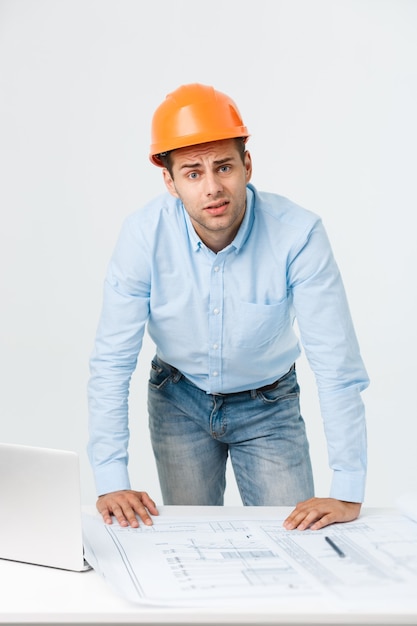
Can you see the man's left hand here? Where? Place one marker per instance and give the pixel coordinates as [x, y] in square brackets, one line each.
[317, 513]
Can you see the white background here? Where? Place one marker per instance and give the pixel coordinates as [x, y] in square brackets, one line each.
[328, 90]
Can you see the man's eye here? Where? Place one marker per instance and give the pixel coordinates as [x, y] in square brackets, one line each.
[192, 175]
[224, 168]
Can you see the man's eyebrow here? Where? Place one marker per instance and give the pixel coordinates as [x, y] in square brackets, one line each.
[189, 166]
[225, 160]
[186, 166]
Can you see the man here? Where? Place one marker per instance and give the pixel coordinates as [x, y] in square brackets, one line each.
[218, 271]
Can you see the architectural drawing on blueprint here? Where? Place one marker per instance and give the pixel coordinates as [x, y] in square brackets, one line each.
[203, 559]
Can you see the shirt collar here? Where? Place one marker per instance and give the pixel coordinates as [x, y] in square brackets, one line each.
[247, 222]
[241, 235]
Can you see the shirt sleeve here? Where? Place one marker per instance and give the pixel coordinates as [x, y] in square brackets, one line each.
[329, 340]
[118, 342]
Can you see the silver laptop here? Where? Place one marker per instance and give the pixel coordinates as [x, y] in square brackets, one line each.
[40, 504]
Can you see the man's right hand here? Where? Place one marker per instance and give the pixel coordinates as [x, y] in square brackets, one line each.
[125, 505]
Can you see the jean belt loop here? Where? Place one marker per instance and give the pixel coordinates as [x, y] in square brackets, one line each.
[176, 374]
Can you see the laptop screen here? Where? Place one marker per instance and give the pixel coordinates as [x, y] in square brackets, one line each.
[41, 507]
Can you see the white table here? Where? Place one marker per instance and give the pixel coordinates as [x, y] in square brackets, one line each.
[31, 594]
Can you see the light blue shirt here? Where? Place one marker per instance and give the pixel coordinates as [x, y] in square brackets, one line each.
[225, 321]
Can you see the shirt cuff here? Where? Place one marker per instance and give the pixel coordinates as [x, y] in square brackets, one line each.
[348, 486]
[111, 477]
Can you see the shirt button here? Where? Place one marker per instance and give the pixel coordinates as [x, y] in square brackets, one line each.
[215, 346]
[215, 373]
[216, 269]
[216, 311]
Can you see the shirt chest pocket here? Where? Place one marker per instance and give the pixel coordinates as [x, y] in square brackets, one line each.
[256, 325]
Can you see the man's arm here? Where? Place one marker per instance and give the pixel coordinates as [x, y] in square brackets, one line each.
[118, 342]
[331, 347]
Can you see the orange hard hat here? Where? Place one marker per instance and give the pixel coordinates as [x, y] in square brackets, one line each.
[194, 114]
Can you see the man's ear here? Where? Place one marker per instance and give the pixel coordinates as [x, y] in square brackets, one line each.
[248, 166]
[169, 183]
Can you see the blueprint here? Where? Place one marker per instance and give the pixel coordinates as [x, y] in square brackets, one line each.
[202, 560]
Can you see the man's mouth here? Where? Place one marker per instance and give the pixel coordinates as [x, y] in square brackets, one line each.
[217, 208]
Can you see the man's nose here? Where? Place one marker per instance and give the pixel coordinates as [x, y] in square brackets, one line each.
[213, 184]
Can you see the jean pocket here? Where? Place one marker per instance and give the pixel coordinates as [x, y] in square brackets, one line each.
[158, 375]
[287, 388]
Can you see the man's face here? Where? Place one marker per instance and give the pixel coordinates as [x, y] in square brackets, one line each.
[210, 179]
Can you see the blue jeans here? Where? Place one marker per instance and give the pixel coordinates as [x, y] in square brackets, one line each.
[193, 433]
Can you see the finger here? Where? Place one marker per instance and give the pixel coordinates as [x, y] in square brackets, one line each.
[295, 517]
[305, 519]
[119, 510]
[136, 505]
[105, 513]
[144, 515]
[298, 513]
[150, 504]
[119, 515]
[127, 515]
[323, 521]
